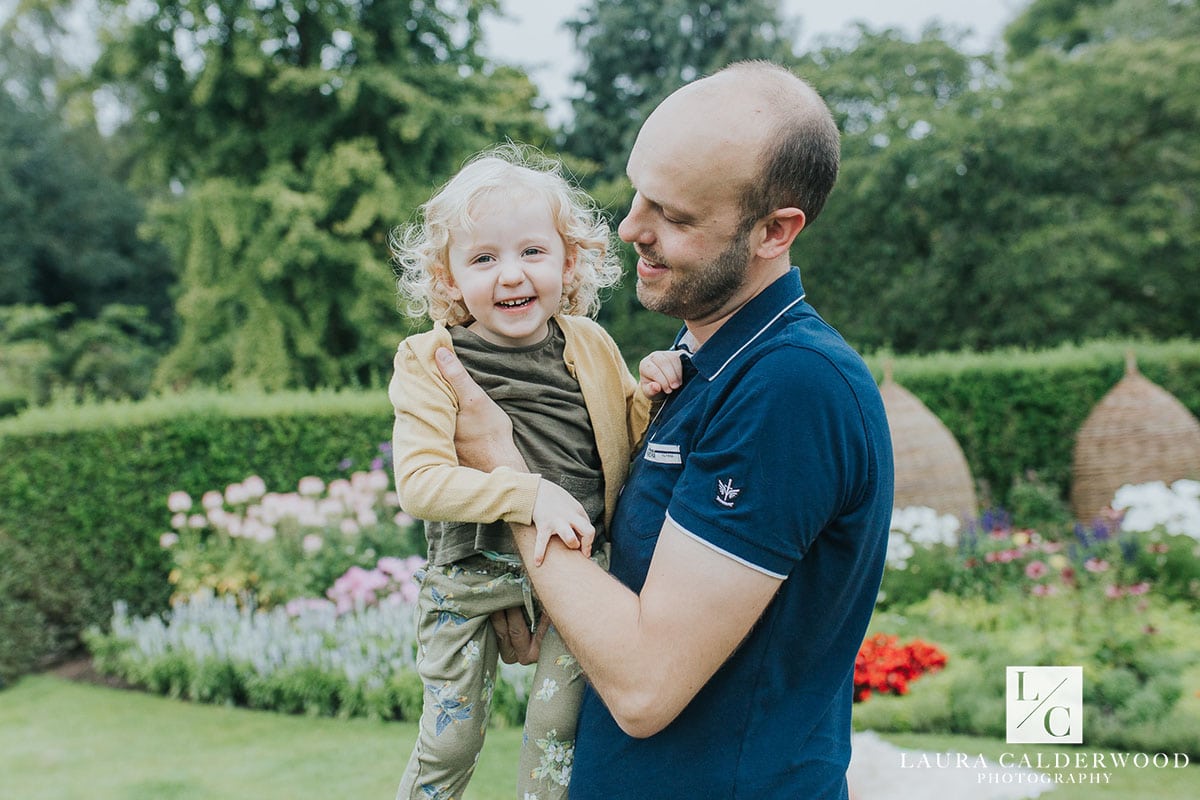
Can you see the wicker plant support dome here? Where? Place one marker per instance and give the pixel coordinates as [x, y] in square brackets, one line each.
[1137, 433]
[931, 469]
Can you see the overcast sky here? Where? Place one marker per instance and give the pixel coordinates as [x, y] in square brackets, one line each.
[533, 36]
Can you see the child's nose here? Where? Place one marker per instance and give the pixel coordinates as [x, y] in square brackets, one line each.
[512, 272]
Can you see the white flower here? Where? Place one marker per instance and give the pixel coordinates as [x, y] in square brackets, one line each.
[470, 652]
[179, 501]
[378, 480]
[310, 486]
[254, 486]
[548, 690]
[899, 550]
[168, 540]
[236, 494]
[212, 499]
[1149, 506]
[312, 543]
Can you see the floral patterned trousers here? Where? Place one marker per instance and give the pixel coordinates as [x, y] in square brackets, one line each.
[457, 661]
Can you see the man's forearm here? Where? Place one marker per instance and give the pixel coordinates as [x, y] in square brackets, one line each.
[596, 616]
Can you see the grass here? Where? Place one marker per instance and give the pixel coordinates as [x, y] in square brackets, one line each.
[62, 740]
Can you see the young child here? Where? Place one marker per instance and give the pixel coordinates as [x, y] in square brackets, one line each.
[507, 260]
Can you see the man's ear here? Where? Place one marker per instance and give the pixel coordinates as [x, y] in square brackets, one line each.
[780, 229]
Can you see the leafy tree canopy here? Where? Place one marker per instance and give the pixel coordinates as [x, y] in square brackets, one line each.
[636, 52]
[294, 135]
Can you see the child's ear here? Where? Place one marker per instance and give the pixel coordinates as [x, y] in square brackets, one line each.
[444, 282]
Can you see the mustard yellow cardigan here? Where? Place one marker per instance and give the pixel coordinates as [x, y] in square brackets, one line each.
[429, 481]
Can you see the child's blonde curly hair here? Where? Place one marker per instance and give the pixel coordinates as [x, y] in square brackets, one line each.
[421, 250]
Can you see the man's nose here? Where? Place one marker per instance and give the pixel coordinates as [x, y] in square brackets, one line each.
[633, 228]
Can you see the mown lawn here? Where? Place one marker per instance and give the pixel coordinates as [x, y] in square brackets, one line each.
[63, 740]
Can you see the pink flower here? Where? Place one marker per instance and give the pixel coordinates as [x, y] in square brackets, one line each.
[1113, 592]
[1096, 565]
[1035, 570]
[1044, 590]
[179, 501]
[1138, 589]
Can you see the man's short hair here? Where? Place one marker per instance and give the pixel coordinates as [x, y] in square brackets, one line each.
[800, 155]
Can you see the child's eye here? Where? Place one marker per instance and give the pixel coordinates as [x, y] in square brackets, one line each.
[482, 259]
[532, 251]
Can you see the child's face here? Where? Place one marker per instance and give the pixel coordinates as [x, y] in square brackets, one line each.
[508, 269]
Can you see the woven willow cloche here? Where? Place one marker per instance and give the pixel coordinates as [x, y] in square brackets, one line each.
[931, 469]
[1137, 433]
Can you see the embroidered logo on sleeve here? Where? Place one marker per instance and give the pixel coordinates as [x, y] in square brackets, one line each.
[726, 493]
[663, 453]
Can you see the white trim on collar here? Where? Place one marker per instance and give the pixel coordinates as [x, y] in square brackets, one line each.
[761, 330]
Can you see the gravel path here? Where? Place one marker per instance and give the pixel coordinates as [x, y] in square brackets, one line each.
[881, 771]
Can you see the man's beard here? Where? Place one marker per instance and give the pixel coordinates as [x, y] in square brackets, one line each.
[700, 292]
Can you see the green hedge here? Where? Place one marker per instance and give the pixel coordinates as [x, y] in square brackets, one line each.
[83, 489]
[1017, 411]
[83, 496]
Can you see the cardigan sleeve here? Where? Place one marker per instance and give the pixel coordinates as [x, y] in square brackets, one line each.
[637, 407]
[430, 483]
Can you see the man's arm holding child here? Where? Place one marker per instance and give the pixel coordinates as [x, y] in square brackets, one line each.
[647, 654]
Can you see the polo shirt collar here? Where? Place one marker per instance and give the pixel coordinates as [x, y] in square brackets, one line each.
[749, 323]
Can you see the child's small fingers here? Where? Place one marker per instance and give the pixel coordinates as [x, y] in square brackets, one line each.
[569, 538]
[539, 547]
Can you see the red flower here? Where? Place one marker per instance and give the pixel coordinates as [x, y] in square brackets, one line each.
[884, 665]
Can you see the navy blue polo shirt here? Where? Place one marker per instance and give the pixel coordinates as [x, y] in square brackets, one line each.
[776, 453]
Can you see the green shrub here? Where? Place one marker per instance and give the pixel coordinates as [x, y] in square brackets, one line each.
[1014, 411]
[1137, 655]
[85, 486]
[83, 494]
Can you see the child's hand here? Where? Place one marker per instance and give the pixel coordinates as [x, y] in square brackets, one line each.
[662, 372]
[557, 513]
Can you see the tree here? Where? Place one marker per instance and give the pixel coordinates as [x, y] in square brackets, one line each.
[636, 52]
[1064, 25]
[71, 230]
[1055, 206]
[293, 136]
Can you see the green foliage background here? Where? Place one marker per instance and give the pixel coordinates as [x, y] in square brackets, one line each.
[83, 490]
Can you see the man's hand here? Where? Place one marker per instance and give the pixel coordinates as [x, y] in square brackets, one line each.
[661, 372]
[483, 432]
[518, 645]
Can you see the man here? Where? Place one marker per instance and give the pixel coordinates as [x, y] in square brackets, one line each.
[749, 540]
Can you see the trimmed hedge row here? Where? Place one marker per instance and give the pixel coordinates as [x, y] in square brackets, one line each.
[83, 496]
[1015, 411]
[83, 489]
